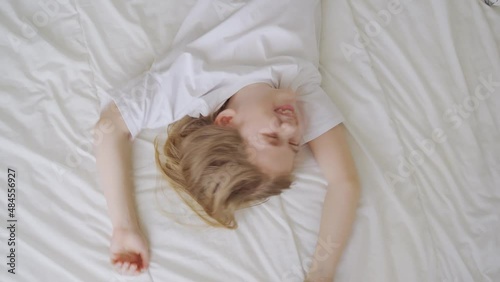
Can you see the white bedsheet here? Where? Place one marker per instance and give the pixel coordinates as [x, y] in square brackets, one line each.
[430, 176]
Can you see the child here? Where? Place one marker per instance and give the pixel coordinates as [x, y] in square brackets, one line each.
[241, 91]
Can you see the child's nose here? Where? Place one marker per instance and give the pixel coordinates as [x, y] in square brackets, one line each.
[288, 130]
[285, 127]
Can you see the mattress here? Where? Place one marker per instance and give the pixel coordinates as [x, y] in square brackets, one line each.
[418, 83]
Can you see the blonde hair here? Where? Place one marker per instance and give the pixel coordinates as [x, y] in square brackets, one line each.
[208, 166]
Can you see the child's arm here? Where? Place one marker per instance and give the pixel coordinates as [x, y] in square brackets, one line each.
[129, 249]
[332, 153]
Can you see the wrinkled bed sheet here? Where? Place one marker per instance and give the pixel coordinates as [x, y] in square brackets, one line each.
[417, 81]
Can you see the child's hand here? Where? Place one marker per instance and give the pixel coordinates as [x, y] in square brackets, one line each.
[129, 251]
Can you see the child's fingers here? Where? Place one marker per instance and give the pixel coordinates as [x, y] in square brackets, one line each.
[145, 259]
[130, 263]
[130, 270]
[118, 258]
[133, 269]
[123, 257]
[118, 267]
[125, 266]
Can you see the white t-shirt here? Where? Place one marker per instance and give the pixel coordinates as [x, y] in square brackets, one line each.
[222, 47]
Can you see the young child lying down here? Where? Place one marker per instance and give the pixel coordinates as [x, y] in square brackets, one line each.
[240, 91]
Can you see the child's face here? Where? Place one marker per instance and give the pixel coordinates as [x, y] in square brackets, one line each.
[270, 120]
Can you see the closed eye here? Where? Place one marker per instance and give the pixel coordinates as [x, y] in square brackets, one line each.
[274, 140]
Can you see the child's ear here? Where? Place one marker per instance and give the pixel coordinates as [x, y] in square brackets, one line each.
[225, 118]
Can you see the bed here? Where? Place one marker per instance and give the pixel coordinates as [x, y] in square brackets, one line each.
[418, 83]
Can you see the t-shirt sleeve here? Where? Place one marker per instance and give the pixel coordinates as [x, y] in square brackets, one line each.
[157, 98]
[141, 104]
[320, 113]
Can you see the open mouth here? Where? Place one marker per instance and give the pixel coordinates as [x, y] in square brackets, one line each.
[286, 110]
